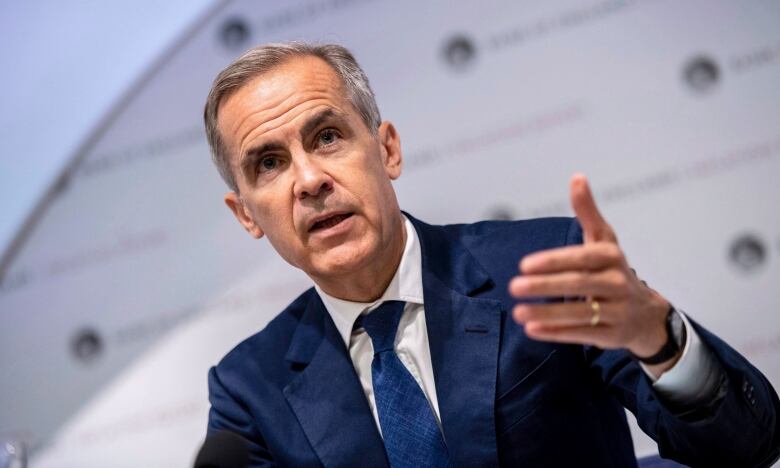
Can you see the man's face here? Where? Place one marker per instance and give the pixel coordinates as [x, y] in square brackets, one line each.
[311, 176]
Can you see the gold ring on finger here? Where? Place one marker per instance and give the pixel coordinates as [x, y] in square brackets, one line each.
[596, 317]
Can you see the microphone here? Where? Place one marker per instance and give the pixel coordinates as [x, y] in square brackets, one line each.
[223, 449]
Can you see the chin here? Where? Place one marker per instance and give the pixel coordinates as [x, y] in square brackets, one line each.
[344, 259]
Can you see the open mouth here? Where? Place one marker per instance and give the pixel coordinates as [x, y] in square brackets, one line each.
[329, 222]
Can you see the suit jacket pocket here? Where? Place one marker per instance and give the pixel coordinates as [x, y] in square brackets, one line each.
[525, 396]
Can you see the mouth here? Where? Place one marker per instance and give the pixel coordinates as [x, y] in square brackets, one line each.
[329, 221]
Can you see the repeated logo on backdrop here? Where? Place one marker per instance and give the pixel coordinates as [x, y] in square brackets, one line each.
[87, 345]
[459, 52]
[235, 34]
[748, 253]
[701, 74]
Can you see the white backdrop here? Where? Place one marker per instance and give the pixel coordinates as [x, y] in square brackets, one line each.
[135, 278]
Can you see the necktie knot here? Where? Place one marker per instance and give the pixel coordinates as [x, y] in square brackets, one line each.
[381, 324]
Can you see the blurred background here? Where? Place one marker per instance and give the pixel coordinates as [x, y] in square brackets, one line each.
[123, 277]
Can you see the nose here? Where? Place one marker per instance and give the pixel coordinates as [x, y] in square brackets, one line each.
[310, 179]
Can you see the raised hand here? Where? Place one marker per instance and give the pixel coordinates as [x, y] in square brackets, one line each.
[619, 310]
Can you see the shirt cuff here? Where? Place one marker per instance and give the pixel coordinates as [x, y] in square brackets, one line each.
[694, 377]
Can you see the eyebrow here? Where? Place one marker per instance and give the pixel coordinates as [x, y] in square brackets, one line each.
[253, 154]
[318, 119]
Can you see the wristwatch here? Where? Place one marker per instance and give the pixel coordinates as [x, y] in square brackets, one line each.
[675, 339]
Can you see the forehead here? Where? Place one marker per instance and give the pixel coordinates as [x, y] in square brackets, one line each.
[294, 74]
[296, 84]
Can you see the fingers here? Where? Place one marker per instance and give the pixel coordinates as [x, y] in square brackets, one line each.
[594, 226]
[608, 283]
[593, 256]
[562, 314]
[601, 336]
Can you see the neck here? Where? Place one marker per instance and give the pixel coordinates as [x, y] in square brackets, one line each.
[369, 283]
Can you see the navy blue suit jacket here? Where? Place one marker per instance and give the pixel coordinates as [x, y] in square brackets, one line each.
[291, 390]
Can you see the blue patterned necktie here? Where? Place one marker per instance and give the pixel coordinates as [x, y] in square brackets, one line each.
[412, 437]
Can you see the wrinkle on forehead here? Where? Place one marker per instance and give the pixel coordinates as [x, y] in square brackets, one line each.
[279, 97]
[285, 113]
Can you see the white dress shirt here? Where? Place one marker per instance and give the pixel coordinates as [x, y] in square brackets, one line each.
[683, 382]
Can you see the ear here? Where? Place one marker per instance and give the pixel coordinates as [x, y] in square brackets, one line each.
[233, 201]
[390, 141]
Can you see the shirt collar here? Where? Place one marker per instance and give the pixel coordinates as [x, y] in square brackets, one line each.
[406, 286]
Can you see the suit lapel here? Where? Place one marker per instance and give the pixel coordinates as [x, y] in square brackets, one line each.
[463, 335]
[327, 397]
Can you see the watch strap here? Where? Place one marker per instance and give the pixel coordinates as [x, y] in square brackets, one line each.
[670, 348]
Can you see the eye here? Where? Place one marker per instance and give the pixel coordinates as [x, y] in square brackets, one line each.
[327, 137]
[268, 163]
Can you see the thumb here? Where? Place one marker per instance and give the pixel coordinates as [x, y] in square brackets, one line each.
[594, 227]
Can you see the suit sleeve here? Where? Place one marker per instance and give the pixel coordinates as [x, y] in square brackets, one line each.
[229, 414]
[739, 425]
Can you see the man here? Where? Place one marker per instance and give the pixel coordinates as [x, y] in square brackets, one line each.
[412, 348]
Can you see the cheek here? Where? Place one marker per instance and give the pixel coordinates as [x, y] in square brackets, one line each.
[370, 183]
[274, 215]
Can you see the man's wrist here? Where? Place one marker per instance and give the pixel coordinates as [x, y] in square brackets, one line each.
[675, 339]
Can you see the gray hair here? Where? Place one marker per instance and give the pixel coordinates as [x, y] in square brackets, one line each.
[264, 58]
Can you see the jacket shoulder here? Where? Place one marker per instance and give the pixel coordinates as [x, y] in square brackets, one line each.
[498, 246]
[268, 346]
[533, 234]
